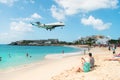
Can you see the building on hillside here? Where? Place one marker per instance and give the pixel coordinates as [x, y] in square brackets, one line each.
[103, 41]
[98, 39]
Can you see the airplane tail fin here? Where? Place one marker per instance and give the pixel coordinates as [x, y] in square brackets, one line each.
[31, 23]
[35, 23]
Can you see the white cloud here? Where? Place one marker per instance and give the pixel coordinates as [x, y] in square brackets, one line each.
[34, 16]
[10, 36]
[21, 27]
[58, 14]
[70, 7]
[17, 31]
[8, 2]
[95, 23]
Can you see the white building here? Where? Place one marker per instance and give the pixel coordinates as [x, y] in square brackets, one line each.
[102, 40]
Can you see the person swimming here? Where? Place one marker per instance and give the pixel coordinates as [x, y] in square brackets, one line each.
[27, 54]
[9, 55]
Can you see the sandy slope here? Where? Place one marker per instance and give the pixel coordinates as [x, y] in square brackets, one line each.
[104, 70]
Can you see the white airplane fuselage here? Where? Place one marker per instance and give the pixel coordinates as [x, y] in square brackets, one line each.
[57, 23]
[48, 26]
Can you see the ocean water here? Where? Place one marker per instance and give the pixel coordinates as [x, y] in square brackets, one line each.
[12, 56]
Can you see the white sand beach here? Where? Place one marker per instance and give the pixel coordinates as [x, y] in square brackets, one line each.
[64, 68]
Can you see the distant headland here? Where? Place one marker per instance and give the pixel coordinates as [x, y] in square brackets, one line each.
[36, 42]
[89, 40]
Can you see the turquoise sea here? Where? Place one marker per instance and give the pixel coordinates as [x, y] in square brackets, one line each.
[12, 56]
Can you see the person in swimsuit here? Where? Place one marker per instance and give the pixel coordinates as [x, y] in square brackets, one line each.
[86, 65]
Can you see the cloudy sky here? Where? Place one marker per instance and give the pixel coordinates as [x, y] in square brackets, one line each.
[81, 18]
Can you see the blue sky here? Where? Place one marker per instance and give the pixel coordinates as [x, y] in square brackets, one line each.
[81, 17]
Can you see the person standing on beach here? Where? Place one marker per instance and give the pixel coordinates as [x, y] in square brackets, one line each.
[109, 47]
[63, 52]
[84, 51]
[113, 48]
[88, 49]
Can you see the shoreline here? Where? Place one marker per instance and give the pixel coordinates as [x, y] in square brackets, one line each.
[39, 61]
[47, 59]
[57, 69]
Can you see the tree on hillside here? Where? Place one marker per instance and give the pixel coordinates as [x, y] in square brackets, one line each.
[90, 41]
[113, 41]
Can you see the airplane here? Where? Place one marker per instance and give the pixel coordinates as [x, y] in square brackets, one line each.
[48, 26]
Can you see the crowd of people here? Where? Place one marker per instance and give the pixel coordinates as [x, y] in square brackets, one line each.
[87, 63]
